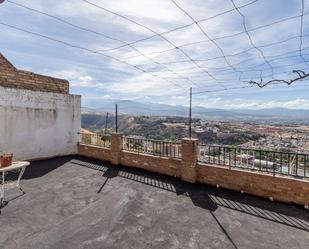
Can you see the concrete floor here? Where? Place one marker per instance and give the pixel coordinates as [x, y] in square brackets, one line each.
[74, 202]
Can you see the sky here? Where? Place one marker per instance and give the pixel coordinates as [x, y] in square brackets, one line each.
[105, 56]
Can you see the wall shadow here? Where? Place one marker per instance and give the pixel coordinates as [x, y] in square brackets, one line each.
[39, 168]
[205, 196]
[111, 172]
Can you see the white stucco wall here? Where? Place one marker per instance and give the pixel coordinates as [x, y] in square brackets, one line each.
[38, 124]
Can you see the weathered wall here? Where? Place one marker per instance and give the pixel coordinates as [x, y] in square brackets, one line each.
[38, 124]
[281, 188]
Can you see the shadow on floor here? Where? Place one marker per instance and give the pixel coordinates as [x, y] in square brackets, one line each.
[205, 196]
[36, 169]
[110, 172]
[43, 167]
[39, 168]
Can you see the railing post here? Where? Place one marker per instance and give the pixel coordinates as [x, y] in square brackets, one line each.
[116, 148]
[189, 151]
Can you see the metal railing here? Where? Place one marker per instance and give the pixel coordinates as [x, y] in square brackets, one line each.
[96, 139]
[275, 162]
[152, 147]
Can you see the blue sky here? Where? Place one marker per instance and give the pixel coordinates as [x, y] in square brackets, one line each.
[97, 77]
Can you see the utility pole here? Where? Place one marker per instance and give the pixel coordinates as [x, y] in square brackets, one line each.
[190, 114]
[116, 118]
[106, 119]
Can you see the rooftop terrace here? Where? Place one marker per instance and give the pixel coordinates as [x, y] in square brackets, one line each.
[74, 202]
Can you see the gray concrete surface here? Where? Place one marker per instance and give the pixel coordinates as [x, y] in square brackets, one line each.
[73, 202]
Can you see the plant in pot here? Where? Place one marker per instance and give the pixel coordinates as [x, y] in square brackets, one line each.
[6, 159]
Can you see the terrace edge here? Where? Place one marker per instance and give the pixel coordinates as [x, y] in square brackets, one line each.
[278, 188]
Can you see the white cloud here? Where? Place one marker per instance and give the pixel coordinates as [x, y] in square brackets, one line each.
[77, 78]
[237, 104]
[92, 72]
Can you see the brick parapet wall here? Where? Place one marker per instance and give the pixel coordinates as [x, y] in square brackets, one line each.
[95, 152]
[13, 78]
[284, 189]
[280, 188]
[166, 166]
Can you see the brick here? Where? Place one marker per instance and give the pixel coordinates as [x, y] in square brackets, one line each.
[281, 188]
[14, 78]
[116, 148]
[189, 152]
[94, 152]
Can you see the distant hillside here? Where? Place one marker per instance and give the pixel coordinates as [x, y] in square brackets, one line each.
[169, 128]
[274, 115]
[150, 127]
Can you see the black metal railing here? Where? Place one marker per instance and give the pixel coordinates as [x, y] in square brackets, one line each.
[96, 139]
[152, 147]
[274, 162]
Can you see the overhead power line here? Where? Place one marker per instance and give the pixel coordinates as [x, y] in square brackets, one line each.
[181, 73]
[154, 32]
[222, 90]
[276, 57]
[247, 79]
[100, 34]
[301, 31]
[205, 34]
[225, 37]
[187, 25]
[246, 69]
[249, 36]
[235, 53]
[88, 50]
[91, 51]
[301, 75]
[253, 70]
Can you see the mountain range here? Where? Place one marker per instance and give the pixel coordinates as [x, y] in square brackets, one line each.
[129, 107]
